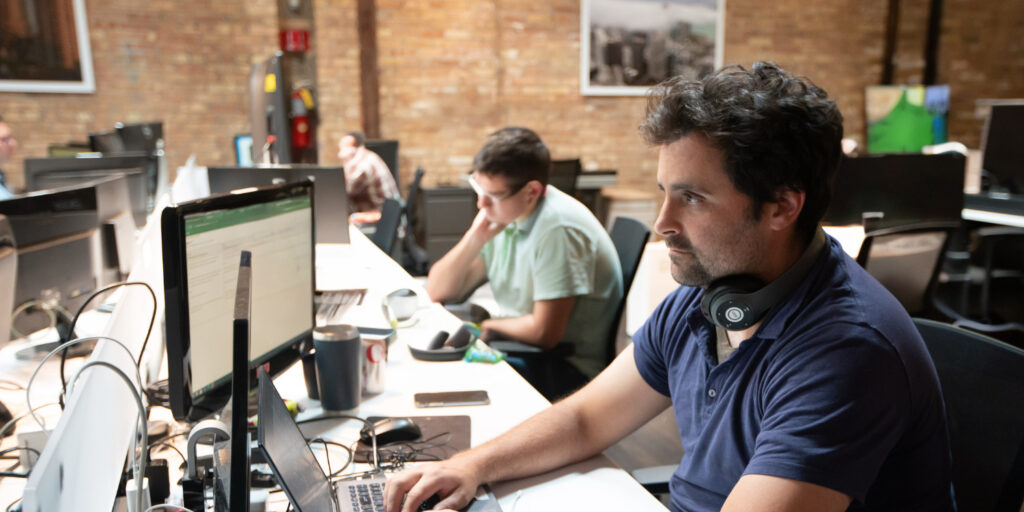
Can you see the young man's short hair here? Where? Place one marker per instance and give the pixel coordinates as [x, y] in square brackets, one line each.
[776, 131]
[516, 153]
[359, 137]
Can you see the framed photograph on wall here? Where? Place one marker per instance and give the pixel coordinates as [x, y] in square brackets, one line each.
[626, 46]
[44, 47]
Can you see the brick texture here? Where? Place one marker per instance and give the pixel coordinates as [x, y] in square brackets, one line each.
[452, 71]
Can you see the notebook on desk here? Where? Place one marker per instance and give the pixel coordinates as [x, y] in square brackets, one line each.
[300, 475]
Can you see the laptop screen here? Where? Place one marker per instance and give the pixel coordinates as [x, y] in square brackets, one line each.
[291, 459]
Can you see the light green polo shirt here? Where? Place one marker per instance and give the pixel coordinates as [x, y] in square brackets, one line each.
[559, 251]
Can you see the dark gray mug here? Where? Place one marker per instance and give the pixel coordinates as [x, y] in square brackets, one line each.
[338, 366]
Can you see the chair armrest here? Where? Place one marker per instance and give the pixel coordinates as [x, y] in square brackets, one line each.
[519, 349]
[654, 479]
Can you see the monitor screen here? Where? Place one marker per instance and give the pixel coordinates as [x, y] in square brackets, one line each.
[62, 246]
[904, 188]
[331, 196]
[201, 242]
[1003, 148]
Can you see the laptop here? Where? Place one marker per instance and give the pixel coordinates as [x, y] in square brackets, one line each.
[300, 475]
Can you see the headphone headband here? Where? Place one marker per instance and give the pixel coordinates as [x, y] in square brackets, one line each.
[737, 302]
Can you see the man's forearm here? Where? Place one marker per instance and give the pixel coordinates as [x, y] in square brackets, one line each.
[553, 438]
[521, 328]
[447, 279]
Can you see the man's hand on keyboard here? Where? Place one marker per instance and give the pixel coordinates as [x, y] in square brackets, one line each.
[454, 482]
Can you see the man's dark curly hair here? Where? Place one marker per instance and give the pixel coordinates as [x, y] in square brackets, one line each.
[516, 153]
[775, 130]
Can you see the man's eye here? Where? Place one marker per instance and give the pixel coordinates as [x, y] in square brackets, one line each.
[690, 198]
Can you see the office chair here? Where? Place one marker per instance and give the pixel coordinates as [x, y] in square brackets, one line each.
[415, 259]
[387, 149]
[907, 259]
[630, 239]
[564, 173]
[982, 383]
[387, 227]
[988, 267]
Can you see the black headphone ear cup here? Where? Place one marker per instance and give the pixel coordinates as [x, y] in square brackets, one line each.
[723, 303]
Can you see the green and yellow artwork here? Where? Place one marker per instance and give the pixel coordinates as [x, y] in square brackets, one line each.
[905, 118]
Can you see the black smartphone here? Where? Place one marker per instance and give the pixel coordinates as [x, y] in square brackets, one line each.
[452, 398]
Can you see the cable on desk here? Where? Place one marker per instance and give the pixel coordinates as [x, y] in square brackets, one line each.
[3, 454]
[13, 503]
[366, 422]
[51, 311]
[141, 429]
[13, 474]
[327, 452]
[16, 419]
[28, 387]
[166, 444]
[11, 385]
[74, 321]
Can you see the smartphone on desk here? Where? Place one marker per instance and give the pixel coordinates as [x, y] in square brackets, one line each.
[452, 398]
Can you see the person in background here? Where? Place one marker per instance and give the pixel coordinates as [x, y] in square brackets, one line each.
[551, 264]
[823, 399]
[7, 146]
[367, 177]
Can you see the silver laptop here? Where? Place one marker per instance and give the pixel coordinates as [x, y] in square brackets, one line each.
[303, 480]
[296, 468]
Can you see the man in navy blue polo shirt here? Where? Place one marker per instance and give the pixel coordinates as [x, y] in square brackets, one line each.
[797, 381]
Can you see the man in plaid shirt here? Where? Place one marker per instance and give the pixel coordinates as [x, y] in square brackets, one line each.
[367, 177]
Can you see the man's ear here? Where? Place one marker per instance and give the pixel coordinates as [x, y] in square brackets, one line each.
[785, 209]
[535, 189]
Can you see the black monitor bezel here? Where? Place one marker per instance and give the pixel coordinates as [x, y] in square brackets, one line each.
[172, 223]
[1003, 172]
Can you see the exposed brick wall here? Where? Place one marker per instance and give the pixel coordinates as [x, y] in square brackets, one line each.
[185, 62]
[452, 71]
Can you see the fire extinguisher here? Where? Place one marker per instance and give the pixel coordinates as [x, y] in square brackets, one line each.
[300, 120]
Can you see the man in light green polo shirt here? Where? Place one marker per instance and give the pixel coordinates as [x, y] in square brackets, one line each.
[551, 264]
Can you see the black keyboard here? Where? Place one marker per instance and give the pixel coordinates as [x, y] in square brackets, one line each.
[1011, 204]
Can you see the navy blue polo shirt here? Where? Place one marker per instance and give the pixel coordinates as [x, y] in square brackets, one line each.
[835, 388]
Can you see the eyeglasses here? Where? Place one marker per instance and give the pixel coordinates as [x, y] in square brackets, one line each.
[493, 198]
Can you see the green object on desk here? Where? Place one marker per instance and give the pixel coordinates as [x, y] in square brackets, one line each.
[480, 352]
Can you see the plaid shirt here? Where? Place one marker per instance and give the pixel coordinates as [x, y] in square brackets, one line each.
[369, 181]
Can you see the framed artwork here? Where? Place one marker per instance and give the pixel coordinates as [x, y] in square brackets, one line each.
[905, 118]
[44, 47]
[626, 46]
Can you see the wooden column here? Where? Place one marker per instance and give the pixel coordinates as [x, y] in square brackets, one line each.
[368, 77]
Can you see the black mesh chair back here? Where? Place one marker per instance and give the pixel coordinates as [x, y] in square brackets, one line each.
[564, 173]
[907, 260]
[630, 239]
[387, 227]
[983, 388]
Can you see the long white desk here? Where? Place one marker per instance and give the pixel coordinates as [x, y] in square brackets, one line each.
[594, 484]
[82, 463]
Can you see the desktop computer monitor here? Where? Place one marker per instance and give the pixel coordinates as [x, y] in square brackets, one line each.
[904, 188]
[144, 137]
[201, 243]
[61, 241]
[330, 194]
[1003, 149]
[140, 170]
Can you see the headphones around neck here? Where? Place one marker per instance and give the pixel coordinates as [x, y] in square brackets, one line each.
[737, 302]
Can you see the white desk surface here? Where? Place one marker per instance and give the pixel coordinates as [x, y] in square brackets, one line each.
[594, 484]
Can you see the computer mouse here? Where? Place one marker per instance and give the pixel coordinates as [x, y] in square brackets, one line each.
[6, 416]
[391, 430]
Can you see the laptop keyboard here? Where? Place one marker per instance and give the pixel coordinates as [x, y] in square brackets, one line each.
[368, 497]
[331, 305]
